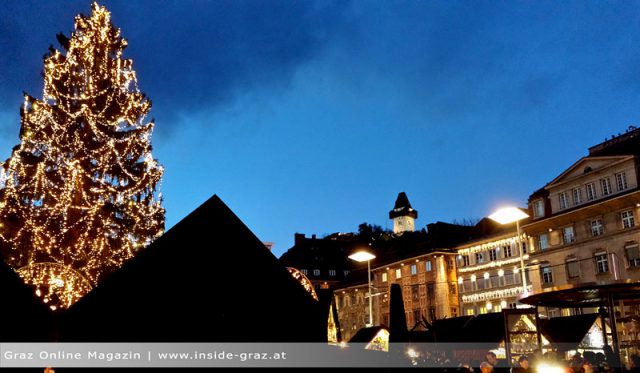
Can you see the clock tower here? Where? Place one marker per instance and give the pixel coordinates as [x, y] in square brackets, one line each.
[403, 215]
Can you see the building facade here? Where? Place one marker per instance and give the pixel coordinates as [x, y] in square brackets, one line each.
[429, 288]
[490, 272]
[584, 225]
[352, 304]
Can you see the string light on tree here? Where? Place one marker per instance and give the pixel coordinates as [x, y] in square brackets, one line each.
[79, 194]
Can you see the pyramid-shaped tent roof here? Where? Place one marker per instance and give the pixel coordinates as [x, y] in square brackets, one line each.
[207, 279]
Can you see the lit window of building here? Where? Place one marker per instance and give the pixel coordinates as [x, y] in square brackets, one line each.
[605, 186]
[479, 258]
[591, 191]
[384, 277]
[398, 273]
[547, 274]
[597, 228]
[632, 252]
[414, 269]
[621, 181]
[563, 200]
[543, 241]
[568, 235]
[577, 196]
[427, 265]
[316, 272]
[507, 251]
[602, 262]
[493, 254]
[332, 272]
[627, 219]
[538, 208]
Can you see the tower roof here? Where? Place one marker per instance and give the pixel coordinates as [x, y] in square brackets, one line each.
[402, 207]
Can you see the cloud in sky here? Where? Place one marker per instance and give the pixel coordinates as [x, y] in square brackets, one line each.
[310, 116]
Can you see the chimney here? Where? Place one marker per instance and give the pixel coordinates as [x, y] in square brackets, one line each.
[298, 238]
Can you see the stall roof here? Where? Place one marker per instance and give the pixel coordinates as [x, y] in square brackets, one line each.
[567, 329]
[584, 295]
[366, 335]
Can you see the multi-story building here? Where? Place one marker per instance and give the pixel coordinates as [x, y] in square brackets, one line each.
[352, 303]
[322, 260]
[429, 287]
[584, 225]
[489, 269]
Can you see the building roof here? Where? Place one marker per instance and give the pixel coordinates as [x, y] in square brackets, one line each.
[584, 295]
[324, 254]
[622, 144]
[402, 207]
[207, 279]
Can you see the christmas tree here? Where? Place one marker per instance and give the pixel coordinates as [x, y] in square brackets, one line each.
[78, 195]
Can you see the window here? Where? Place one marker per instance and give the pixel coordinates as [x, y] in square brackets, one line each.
[547, 274]
[346, 272]
[543, 241]
[568, 235]
[470, 311]
[467, 286]
[304, 272]
[627, 219]
[398, 273]
[597, 228]
[332, 272]
[621, 181]
[513, 305]
[507, 251]
[452, 288]
[573, 268]
[384, 277]
[605, 185]
[464, 260]
[415, 292]
[454, 312]
[602, 262]
[479, 258]
[316, 272]
[632, 251]
[562, 197]
[508, 279]
[591, 191]
[427, 265]
[414, 269]
[493, 254]
[538, 208]
[577, 196]
[430, 290]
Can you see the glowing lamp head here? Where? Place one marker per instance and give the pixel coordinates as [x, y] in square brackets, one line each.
[362, 256]
[508, 215]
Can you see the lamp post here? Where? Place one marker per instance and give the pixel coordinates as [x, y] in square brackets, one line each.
[365, 256]
[508, 215]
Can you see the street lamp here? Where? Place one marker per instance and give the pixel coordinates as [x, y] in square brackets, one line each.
[508, 215]
[365, 256]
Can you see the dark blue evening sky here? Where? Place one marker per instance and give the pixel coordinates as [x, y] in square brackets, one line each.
[311, 116]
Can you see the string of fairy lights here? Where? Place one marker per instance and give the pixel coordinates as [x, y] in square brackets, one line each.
[79, 194]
